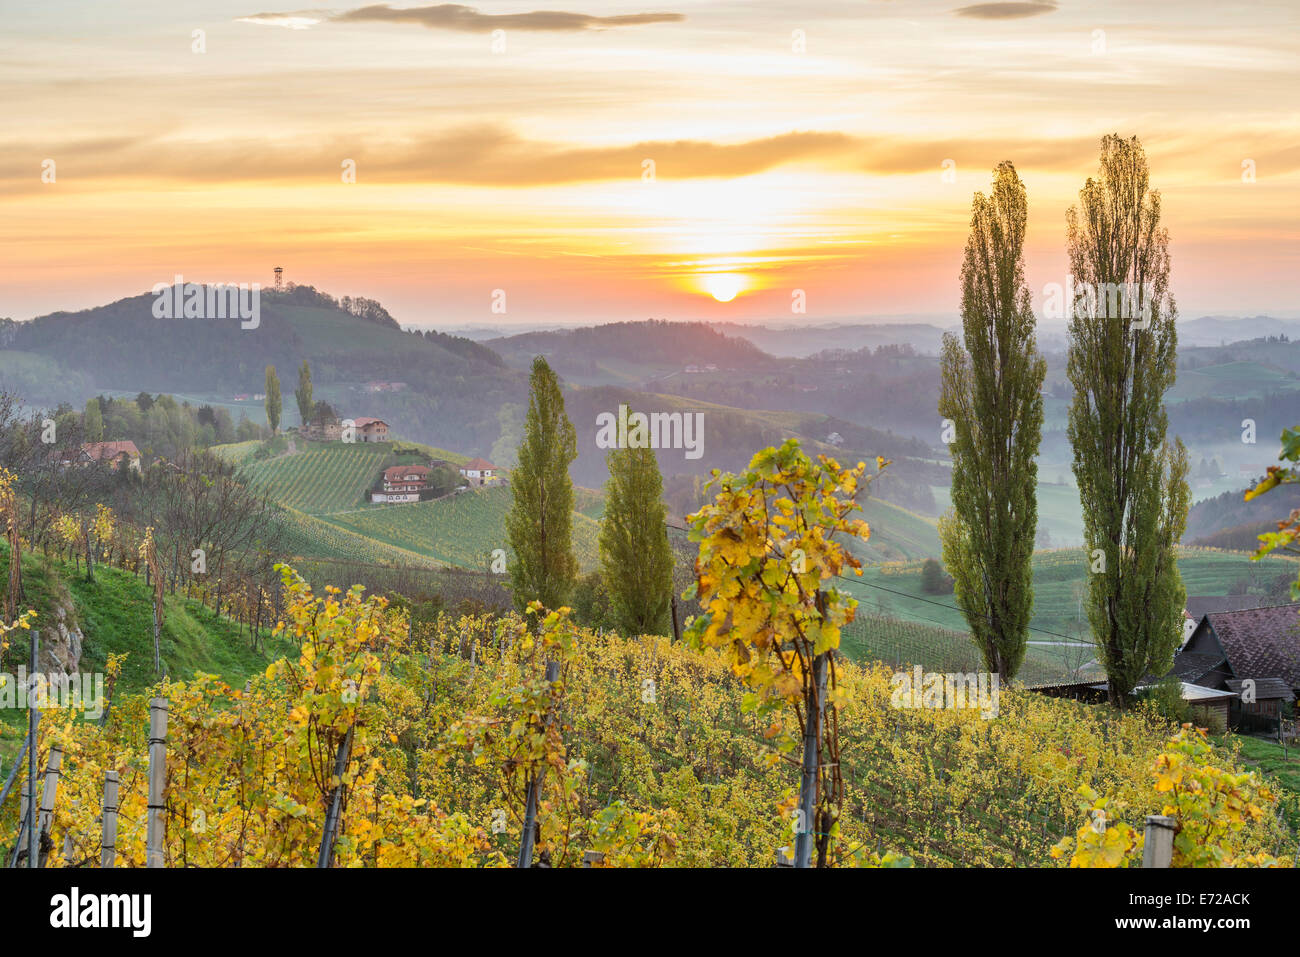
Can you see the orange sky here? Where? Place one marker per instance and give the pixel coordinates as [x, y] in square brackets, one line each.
[525, 168]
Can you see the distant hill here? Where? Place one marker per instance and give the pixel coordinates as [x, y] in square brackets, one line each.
[1219, 330]
[803, 340]
[1208, 518]
[732, 435]
[629, 352]
[450, 389]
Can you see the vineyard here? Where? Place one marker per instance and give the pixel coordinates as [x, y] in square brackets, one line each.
[325, 477]
[655, 759]
[460, 529]
[310, 537]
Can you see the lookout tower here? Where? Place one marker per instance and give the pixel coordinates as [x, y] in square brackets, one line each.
[279, 278]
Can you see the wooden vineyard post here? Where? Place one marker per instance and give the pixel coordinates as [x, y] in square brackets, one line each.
[157, 777]
[33, 721]
[49, 793]
[149, 552]
[677, 631]
[336, 802]
[1158, 846]
[529, 836]
[108, 844]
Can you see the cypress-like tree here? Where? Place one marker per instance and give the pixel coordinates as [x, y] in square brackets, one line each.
[303, 393]
[540, 522]
[1132, 481]
[92, 422]
[635, 558]
[991, 392]
[272, 399]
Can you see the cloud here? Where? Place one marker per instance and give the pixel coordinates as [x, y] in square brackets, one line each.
[292, 20]
[455, 16]
[494, 156]
[1006, 11]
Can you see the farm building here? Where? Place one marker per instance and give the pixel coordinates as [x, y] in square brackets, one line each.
[322, 428]
[1253, 652]
[327, 428]
[1203, 701]
[370, 429]
[114, 454]
[480, 472]
[401, 483]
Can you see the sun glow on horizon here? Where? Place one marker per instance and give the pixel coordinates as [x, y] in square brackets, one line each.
[724, 286]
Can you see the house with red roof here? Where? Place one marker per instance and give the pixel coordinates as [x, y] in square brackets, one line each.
[401, 483]
[369, 429]
[480, 472]
[113, 454]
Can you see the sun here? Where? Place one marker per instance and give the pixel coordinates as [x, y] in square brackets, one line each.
[724, 286]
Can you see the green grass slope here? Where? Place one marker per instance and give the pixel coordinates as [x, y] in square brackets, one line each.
[115, 616]
[306, 536]
[1060, 583]
[896, 534]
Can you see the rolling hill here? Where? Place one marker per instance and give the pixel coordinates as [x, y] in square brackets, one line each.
[452, 387]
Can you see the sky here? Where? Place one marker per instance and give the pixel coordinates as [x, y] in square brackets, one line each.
[572, 161]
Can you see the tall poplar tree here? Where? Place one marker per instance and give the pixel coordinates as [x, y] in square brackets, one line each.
[303, 393]
[1132, 481]
[991, 393]
[272, 399]
[635, 558]
[539, 525]
[92, 422]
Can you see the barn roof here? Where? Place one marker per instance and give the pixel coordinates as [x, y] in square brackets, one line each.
[477, 465]
[99, 451]
[1265, 688]
[1193, 667]
[1261, 642]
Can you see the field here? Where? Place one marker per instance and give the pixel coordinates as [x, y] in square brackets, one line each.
[1231, 380]
[237, 453]
[893, 593]
[896, 534]
[461, 529]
